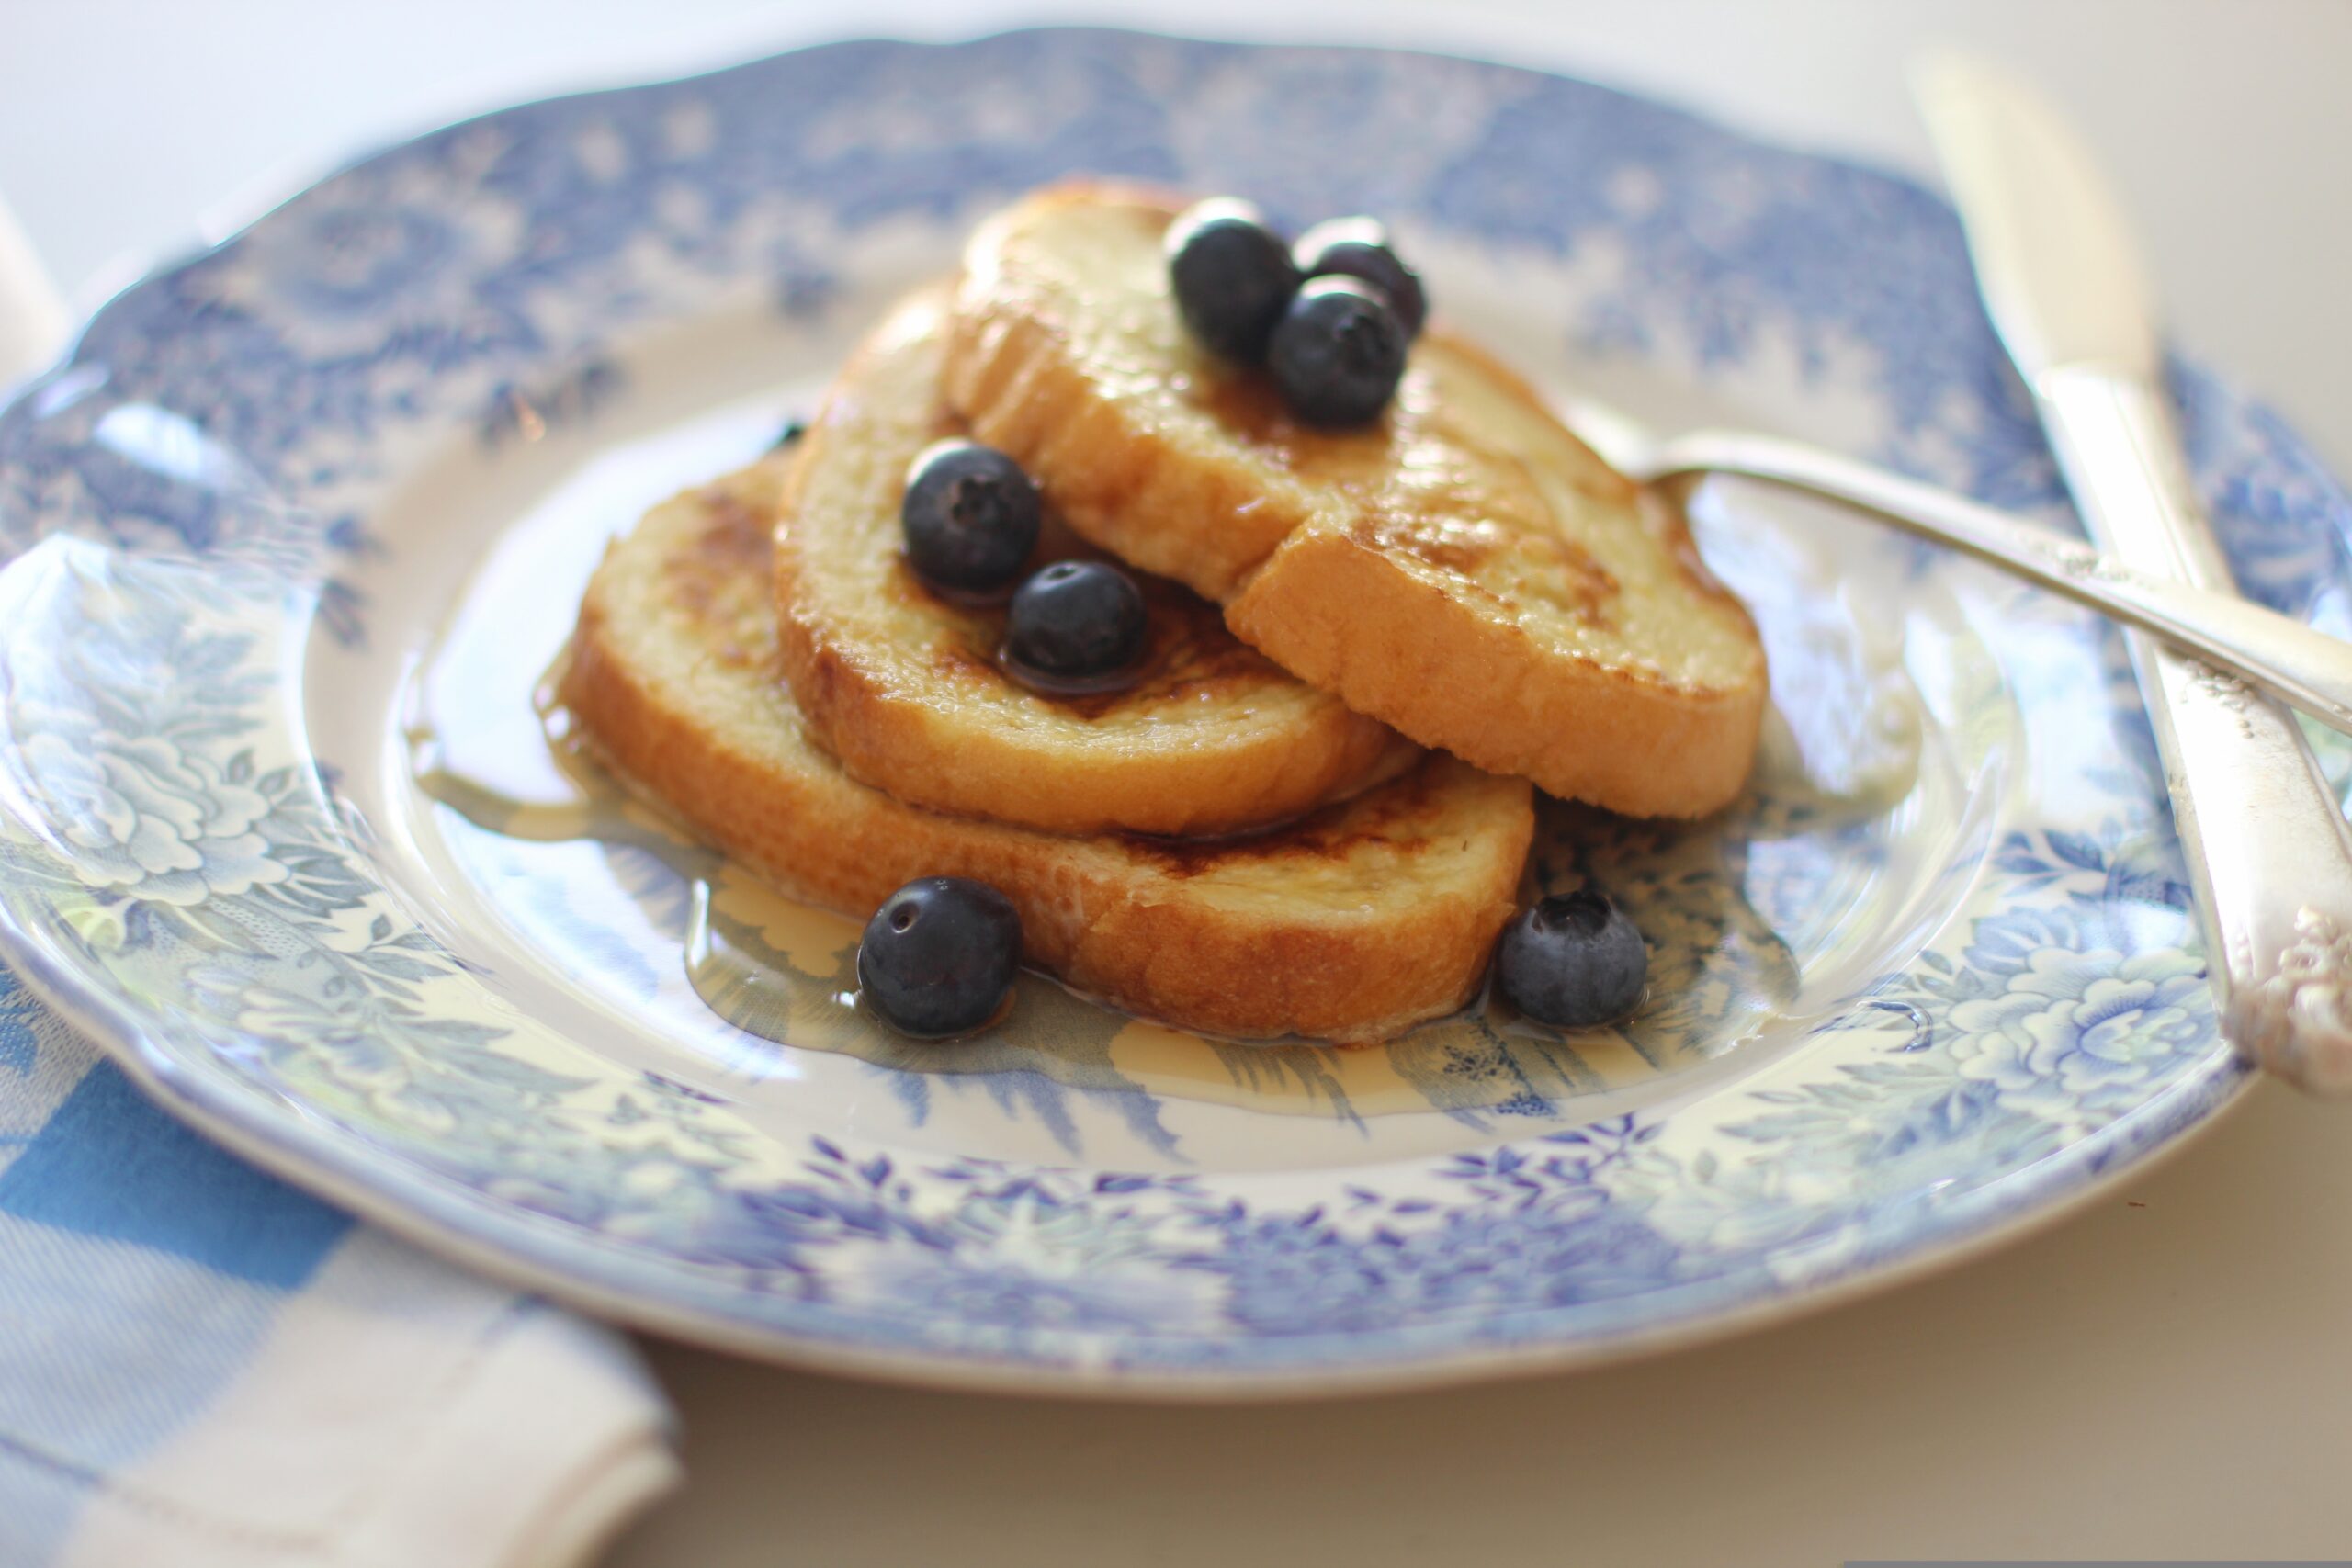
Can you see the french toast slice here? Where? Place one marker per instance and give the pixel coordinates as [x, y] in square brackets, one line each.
[1350, 925]
[1462, 568]
[903, 686]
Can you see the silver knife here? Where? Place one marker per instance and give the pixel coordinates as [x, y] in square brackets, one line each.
[2267, 850]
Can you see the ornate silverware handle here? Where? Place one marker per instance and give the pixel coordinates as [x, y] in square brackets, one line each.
[2268, 848]
[2064, 284]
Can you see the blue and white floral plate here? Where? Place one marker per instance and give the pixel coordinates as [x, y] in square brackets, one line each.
[297, 527]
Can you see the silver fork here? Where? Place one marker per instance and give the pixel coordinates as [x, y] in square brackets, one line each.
[2280, 655]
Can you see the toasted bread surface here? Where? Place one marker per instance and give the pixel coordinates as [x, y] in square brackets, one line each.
[904, 687]
[1351, 925]
[1464, 567]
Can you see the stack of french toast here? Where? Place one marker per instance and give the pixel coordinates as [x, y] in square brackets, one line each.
[1220, 627]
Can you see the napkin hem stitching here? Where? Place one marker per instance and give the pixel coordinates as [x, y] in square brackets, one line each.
[98, 1484]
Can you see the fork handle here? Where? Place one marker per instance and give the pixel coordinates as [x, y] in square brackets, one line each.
[2275, 653]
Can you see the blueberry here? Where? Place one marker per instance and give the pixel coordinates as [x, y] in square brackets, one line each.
[788, 434]
[970, 516]
[1338, 354]
[1232, 275]
[939, 955]
[1359, 247]
[1075, 619]
[1572, 961]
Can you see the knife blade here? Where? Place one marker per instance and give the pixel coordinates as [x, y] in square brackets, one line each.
[2268, 854]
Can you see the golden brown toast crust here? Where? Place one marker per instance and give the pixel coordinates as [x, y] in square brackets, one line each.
[904, 688]
[1464, 568]
[1367, 918]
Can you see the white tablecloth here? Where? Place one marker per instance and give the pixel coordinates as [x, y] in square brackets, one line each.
[2167, 1375]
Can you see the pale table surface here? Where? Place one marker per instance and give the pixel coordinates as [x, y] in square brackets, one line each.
[2167, 1375]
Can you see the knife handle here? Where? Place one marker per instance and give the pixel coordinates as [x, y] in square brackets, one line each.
[2268, 854]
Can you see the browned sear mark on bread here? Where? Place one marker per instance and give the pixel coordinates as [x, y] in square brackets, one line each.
[723, 576]
[1393, 819]
[1417, 485]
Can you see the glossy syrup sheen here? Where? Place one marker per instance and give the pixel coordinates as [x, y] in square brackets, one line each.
[785, 972]
[1747, 915]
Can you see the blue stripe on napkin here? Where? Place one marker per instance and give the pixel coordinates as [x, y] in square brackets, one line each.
[140, 1267]
[110, 1164]
[171, 1319]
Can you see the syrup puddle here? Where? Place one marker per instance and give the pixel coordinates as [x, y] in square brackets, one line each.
[785, 972]
[1743, 912]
